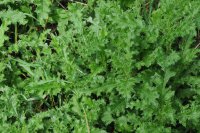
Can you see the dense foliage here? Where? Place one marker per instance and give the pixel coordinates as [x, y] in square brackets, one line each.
[99, 66]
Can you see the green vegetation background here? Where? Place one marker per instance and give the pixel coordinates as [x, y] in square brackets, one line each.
[99, 66]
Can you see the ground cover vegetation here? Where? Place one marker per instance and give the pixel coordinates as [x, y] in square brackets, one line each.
[100, 66]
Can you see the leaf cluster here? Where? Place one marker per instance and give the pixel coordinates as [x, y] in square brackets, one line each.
[99, 66]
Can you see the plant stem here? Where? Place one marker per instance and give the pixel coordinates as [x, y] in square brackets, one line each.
[16, 33]
[86, 120]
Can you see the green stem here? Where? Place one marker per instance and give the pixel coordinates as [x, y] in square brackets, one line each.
[16, 33]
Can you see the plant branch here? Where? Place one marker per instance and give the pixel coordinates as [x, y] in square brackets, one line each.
[197, 46]
[86, 120]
